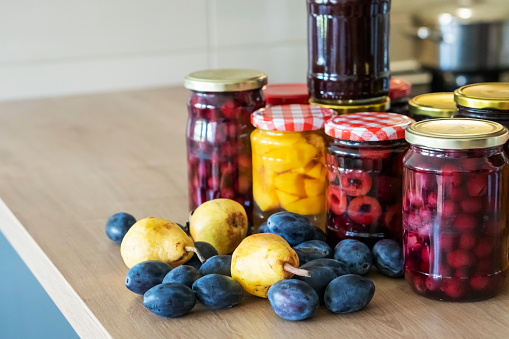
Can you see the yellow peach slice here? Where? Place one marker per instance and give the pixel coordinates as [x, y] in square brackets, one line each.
[286, 198]
[315, 170]
[308, 206]
[290, 182]
[294, 157]
[265, 199]
[314, 187]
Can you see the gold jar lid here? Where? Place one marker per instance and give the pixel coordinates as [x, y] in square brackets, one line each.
[484, 95]
[356, 106]
[436, 105]
[225, 80]
[449, 133]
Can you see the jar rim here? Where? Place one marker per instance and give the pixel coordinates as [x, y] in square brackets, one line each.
[225, 80]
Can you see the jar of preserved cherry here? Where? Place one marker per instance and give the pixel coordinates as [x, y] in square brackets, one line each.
[432, 106]
[399, 93]
[488, 101]
[348, 50]
[289, 161]
[365, 170]
[218, 134]
[286, 94]
[455, 198]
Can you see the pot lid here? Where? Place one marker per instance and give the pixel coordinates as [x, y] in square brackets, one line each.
[463, 12]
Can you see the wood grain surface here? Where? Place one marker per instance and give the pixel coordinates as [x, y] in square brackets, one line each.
[67, 164]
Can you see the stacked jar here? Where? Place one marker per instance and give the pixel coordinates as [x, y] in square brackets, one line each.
[286, 94]
[455, 208]
[348, 54]
[399, 94]
[289, 161]
[364, 171]
[432, 106]
[218, 134]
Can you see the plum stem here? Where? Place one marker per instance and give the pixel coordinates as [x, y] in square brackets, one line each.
[195, 250]
[297, 271]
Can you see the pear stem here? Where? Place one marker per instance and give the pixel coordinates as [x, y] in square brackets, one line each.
[297, 271]
[195, 250]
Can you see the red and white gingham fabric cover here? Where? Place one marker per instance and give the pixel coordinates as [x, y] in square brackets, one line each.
[368, 126]
[291, 118]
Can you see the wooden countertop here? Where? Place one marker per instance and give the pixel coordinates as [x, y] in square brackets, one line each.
[67, 164]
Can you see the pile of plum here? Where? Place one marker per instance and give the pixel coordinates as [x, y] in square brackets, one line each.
[455, 225]
[364, 193]
[219, 148]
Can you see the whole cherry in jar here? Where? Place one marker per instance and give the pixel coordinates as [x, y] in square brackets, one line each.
[455, 199]
[364, 170]
[218, 134]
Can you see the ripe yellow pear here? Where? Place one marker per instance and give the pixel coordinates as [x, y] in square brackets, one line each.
[263, 259]
[220, 222]
[156, 239]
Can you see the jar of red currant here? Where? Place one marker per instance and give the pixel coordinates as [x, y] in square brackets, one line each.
[286, 94]
[455, 198]
[218, 134]
[365, 170]
[289, 161]
[348, 49]
[488, 101]
[399, 93]
[432, 106]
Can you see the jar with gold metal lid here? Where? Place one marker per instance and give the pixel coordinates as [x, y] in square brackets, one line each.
[489, 100]
[432, 106]
[455, 198]
[218, 134]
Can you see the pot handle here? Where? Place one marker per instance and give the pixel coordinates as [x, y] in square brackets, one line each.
[424, 33]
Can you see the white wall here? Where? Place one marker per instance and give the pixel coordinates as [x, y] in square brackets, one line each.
[59, 47]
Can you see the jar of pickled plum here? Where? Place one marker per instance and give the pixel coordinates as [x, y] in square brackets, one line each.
[348, 50]
[286, 94]
[432, 106]
[399, 93]
[289, 161]
[488, 101]
[377, 106]
[364, 171]
[218, 134]
[455, 198]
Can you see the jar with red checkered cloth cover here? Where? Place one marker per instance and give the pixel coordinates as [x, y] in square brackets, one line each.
[364, 170]
[289, 171]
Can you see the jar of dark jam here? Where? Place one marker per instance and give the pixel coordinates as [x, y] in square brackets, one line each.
[348, 50]
[377, 106]
[399, 94]
[364, 171]
[432, 106]
[286, 94]
[488, 101]
[218, 134]
[455, 215]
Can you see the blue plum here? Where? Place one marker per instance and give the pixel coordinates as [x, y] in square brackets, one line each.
[220, 264]
[355, 255]
[311, 250]
[293, 299]
[145, 275]
[292, 227]
[183, 274]
[169, 300]
[262, 228]
[320, 278]
[388, 258]
[218, 291]
[118, 225]
[337, 267]
[348, 293]
[205, 249]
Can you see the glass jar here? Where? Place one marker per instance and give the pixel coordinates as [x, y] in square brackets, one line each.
[399, 92]
[286, 94]
[488, 101]
[348, 50]
[432, 106]
[378, 106]
[218, 134]
[455, 209]
[364, 171]
[289, 162]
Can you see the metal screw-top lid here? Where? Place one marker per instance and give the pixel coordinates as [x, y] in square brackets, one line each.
[436, 105]
[493, 95]
[225, 80]
[448, 133]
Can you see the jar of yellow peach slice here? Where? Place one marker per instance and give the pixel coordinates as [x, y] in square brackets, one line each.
[289, 173]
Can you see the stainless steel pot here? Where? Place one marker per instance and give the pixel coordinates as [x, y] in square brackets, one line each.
[465, 35]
